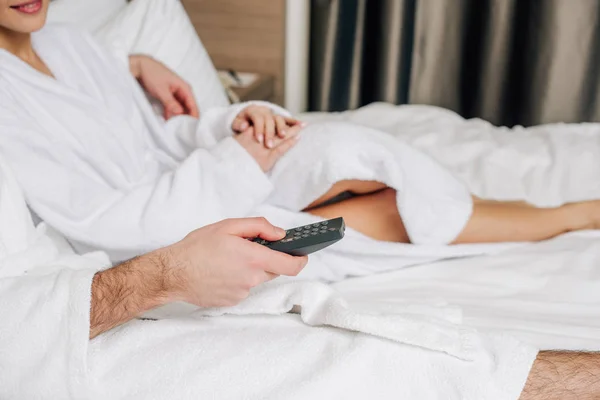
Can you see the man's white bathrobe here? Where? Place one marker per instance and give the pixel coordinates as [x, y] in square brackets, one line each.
[96, 164]
[258, 354]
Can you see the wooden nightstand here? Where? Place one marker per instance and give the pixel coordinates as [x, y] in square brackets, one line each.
[262, 87]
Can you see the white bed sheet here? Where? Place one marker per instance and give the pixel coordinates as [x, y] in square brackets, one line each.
[546, 294]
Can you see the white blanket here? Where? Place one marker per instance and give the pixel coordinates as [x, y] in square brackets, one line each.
[274, 357]
[547, 293]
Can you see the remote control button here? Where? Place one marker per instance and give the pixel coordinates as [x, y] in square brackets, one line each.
[324, 222]
[332, 229]
[299, 229]
[315, 233]
[305, 235]
[286, 240]
[316, 225]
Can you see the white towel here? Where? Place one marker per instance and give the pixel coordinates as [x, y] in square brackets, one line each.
[257, 350]
[318, 304]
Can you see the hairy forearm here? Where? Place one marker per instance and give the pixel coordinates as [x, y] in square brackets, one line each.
[124, 292]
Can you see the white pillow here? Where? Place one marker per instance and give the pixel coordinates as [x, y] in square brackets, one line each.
[85, 14]
[163, 30]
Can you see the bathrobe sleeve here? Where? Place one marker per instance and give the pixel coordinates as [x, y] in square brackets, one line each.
[207, 186]
[44, 308]
[44, 335]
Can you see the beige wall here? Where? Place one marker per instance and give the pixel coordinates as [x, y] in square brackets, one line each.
[244, 35]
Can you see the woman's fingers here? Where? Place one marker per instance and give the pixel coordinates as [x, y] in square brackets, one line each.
[185, 95]
[240, 124]
[281, 125]
[170, 104]
[269, 130]
[294, 122]
[258, 121]
[284, 147]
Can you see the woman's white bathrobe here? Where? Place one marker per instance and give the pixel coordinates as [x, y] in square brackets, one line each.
[96, 164]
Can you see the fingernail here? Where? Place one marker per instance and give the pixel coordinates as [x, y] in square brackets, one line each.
[244, 125]
[260, 138]
[282, 133]
[279, 231]
[270, 144]
[304, 124]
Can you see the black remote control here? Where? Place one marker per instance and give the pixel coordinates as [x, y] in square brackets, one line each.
[307, 239]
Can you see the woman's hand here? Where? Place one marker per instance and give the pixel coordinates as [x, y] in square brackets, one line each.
[267, 126]
[174, 93]
[267, 157]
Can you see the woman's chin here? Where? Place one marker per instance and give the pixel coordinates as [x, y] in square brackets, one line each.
[25, 20]
[27, 26]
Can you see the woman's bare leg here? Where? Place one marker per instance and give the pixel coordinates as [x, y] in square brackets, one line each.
[352, 186]
[496, 221]
[376, 215]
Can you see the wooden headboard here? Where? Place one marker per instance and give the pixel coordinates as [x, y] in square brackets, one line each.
[243, 35]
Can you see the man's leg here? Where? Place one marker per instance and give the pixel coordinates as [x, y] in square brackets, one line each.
[376, 215]
[564, 376]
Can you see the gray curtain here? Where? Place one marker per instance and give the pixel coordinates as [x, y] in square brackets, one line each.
[508, 61]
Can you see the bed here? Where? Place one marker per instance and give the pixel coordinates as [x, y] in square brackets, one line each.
[546, 294]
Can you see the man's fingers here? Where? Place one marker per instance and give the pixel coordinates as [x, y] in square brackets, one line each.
[280, 125]
[186, 97]
[253, 227]
[279, 263]
[270, 276]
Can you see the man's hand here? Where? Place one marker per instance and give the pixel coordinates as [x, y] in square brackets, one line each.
[267, 157]
[212, 266]
[165, 85]
[267, 126]
[216, 266]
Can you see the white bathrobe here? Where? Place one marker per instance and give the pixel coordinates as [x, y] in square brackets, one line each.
[45, 352]
[96, 164]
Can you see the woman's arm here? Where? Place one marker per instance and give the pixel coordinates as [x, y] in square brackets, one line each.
[225, 181]
[159, 81]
